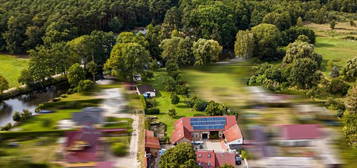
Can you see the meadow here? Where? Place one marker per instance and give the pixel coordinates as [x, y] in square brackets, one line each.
[11, 67]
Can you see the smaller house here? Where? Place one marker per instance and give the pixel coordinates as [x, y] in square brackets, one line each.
[211, 159]
[88, 116]
[299, 134]
[152, 144]
[146, 90]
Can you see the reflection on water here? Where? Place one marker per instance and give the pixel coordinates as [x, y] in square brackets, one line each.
[25, 102]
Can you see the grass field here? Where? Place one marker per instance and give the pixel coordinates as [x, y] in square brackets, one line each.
[164, 104]
[332, 45]
[221, 83]
[11, 67]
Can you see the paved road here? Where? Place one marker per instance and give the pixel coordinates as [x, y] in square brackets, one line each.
[113, 103]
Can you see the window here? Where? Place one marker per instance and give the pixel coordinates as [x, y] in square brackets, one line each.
[209, 155]
[199, 155]
[209, 164]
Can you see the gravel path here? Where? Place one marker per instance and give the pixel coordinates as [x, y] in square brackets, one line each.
[113, 103]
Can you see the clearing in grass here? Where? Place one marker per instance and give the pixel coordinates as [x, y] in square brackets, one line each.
[11, 67]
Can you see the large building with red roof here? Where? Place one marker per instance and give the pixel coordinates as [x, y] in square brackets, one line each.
[188, 129]
[298, 134]
[211, 159]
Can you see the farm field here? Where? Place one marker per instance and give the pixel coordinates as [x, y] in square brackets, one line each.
[332, 45]
[11, 67]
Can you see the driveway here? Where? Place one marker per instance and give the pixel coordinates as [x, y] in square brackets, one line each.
[113, 104]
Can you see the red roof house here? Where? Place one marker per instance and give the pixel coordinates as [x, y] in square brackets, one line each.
[189, 129]
[300, 131]
[210, 159]
[151, 141]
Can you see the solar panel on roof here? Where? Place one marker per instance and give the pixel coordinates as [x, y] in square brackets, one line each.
[208, 123]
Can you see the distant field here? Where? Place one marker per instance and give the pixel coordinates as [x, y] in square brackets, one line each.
[11, 67]
[331, 43]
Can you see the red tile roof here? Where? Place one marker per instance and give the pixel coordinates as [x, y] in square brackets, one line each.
[300, 131]
[151, 141]
[233, 133]
[210, 159]
[226, 158]
[90, 137]
[206, 159]
[183, 128]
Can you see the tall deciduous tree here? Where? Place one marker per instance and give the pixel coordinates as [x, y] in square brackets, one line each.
[75, 75]
[267, 38]
[280, 20]
[3, 84]
[300, 49]
[349, 71]
[180, 156]
[206, 51]
[130, 37]
[244, 45]
[127, 60]
[82, 48]
[351, 100]
[178, 49]
[304, 73]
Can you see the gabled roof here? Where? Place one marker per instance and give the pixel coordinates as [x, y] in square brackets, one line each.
[206, 158]
[300, 131]
[151, 141]
[82, 145]
[210, 159]
[145, 88]
[89, 115]
[233, 133]
[225, 158]
[184, 128]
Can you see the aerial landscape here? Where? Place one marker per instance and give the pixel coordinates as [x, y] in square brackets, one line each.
[178, 84]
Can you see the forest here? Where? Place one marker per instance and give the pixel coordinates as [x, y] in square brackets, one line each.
[85, 39]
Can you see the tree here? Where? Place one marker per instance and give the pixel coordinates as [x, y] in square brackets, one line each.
[300, 49]
[16, 117]
[75, 75]
[127, 60]
[216, 109]
[349, 71]
[92, 69]
[172, 113]
[299, 22]
[333, 24]
[130, 37]
[181, 156]
[244, 44]
[290, 35]
[350, 128]
[178, 49]
[335, 72]
[338, 87]
[85, 85]
[206, 51]
[303, 38]
[175, 99]
[351, 100]
[211, 21]
[281, 20]
[267, 38]
[25, 77]
[82, 48]
[4, 84]
[304, 73]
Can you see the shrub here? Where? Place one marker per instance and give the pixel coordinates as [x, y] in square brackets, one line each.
[119, 149]
[172, 113]
[182, 90]
[175, 99]
[169, 84]
[85, 85]
[16, 117]
[26, 115]
[152, 111]
[200, 105]
[46, 123]
[7, 127]
[338, 87]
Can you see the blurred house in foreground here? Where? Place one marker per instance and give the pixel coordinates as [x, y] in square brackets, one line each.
[298, 134]
[88, 116]
[152, 148]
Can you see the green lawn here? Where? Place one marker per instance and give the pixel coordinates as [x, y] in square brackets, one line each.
[222, 83]
[335, 49]
[11, 67]
[164, 104]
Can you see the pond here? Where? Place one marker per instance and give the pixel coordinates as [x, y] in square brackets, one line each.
[26, 102]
